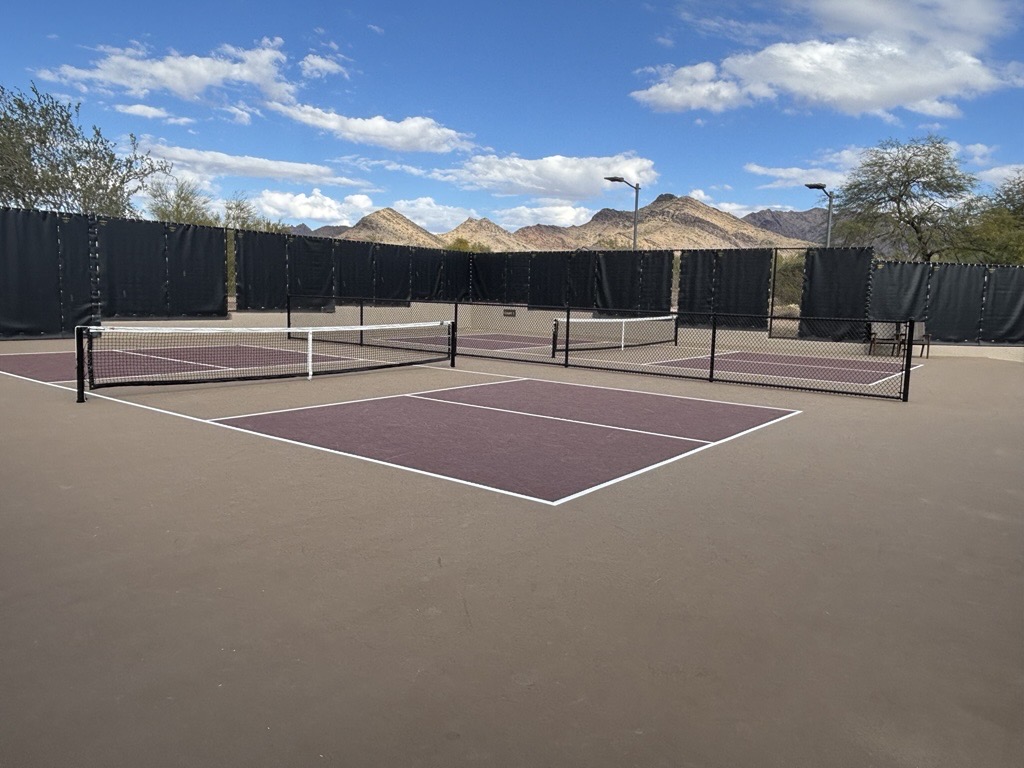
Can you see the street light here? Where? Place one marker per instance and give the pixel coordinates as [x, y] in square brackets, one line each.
[828, 230]
[636, 200]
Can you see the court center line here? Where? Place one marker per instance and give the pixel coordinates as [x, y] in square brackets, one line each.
[369, 399]
[558, 418]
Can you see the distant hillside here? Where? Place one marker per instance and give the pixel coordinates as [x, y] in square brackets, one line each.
[389, 226]
[802, 225]
[326, 231]
[483, 234]
[668, 223]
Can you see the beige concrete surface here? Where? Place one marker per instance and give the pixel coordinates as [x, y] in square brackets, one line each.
[845, 588]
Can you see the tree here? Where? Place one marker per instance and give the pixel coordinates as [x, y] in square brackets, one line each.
[463, 244]
[48, 162]
[908, 198]
[182, 202]
[996, 231]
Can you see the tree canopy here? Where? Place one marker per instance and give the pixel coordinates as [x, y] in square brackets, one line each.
[908, 198]
[49, 162]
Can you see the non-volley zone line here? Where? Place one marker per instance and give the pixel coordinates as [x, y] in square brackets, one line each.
[787, 366]
[539, 440]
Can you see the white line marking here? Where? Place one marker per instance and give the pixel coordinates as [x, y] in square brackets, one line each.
[558, 418]
[686, 454]
[360, 400]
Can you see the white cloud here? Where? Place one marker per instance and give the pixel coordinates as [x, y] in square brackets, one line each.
[569, 178]
[1000, 173]
[240, 113]
[433, 216]
[142, 110]
[413, 134]
[918, 55]
[321, 66]
[558, 215]
[795, 176]
[185, 76]
[316, 207]
[210, 164]
[695, 87]
[152, 113]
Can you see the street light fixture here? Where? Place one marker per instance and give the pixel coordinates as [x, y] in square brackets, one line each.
[828, 230]
[636, 200]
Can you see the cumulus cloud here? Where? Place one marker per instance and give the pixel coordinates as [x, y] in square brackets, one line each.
[433, 216]
[315, 206]
[260, 70]
[142, 110]
[210, 164]
[569, 178]
[187, 77]
[321, 66]
[558, 215]
[920, 55]
[1000, 173]
[413, 134]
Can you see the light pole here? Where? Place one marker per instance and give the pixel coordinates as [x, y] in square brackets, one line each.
[636, 200]
[828, 230]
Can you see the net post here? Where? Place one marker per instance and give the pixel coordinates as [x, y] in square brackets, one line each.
[675, 330]
[453, 339]
[288, 311]
[80, 362]
[908, 361]
[568, 312]
[554, 338]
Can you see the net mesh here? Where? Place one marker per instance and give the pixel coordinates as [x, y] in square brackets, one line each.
[593, 333]
[121, 356]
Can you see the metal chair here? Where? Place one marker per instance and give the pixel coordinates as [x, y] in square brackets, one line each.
[886, 335]
[921, 339]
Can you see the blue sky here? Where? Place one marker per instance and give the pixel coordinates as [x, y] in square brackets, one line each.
[324, 112]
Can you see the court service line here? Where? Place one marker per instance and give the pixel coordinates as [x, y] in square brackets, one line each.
[557, 418]
[363, 400]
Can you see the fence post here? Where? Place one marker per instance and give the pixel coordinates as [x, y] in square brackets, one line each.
[908, 361]
[714, 333]
[567, 334]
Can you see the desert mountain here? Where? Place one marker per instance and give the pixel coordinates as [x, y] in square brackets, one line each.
[483, 232]
[803, 225]
[389, 226]
[668, 223]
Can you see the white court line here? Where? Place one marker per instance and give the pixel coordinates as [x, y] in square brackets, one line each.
[687, 454]
[365, 399]
[553, 503]
[557, 418]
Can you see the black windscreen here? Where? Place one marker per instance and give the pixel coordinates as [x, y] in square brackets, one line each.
[262, 270]
[1003, 318]
[133, 268]
[30, 298]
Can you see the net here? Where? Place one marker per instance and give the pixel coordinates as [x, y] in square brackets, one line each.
[120, 356]
[588, 333]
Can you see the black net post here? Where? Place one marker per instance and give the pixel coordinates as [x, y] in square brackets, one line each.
[80, 362]
[908, 361]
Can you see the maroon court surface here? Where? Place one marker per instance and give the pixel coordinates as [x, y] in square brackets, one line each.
[537, 439]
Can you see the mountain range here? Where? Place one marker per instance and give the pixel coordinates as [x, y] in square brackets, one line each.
[668, 223]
